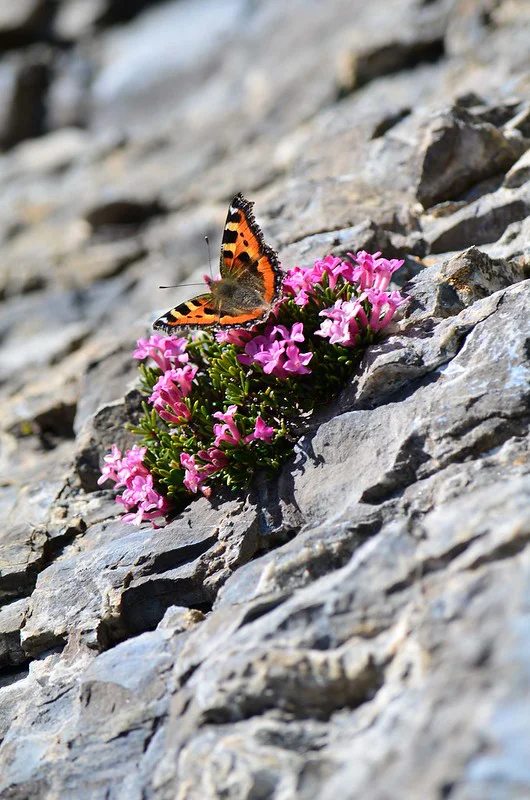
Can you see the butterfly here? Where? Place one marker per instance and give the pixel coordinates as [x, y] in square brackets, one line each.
[249, 285]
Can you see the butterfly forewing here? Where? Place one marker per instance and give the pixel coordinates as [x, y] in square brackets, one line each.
[244, 254]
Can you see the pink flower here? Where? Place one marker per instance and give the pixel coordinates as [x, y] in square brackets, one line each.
[227, 432]
[112, 465]
[369, 271]
[343, 323]
[300, 281]
[119, 469]
[343, 269]
[372, 271]
[237, 336]
[130, 471]
[140, 492]
[270, 357]
[192, 477]
[383, 303]
[296, 362]
[345, 319]
[276, 352]
[383, 272]
[196, 474]
[166, 351]
[256, 345]
[214, 459]
[170, 390]
[363, 274]
[261, 431]
[330, 266]
[131, 465]
[296, 334]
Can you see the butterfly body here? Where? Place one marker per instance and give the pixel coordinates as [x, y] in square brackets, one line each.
[249, 285]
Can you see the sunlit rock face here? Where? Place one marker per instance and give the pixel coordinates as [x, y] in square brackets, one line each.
[357, 626]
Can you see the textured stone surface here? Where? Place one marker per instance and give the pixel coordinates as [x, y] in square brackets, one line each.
[358, 626]
[458, 151]
[23, 83]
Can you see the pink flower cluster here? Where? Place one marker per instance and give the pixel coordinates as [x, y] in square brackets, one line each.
[169, 354]
[300, 281]
[228, 431]
[169, 392]
[129, 471]
[213, 459]
[166, 351]
[373, 272]
[277, 351]
[346, 318]
[369, 272]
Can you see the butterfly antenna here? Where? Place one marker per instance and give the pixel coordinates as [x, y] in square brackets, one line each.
[178, 285]
[209, 256]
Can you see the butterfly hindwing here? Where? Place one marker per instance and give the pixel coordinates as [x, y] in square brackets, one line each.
[193, 313]
[202, 312]
[250, 280]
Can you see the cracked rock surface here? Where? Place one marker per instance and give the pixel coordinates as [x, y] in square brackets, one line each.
[359, 626]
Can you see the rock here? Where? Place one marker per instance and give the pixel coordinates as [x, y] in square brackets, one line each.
[457, 152]
[11, 620]
[23, 22]
[365, 236]
[31, 537]
[132, 678]
[51, 153]
[127, 77]
[482, 221]
[100, 260]
[519, 173]
[499, 114]
[100, 432]
[462, 280]
[121, 213]
[328, 635]
[130, 581]
[361, 67]
[40, 346]
[389, 121]
[355, 626]
[521, 122]
[105, 381]
[513, 244]
[76, 19]
[23, 81]
[68, 102]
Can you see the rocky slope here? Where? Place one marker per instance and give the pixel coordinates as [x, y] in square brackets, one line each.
[358, 627]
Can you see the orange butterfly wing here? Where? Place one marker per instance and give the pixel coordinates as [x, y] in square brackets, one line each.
[245, 256]
[250, 281]
[194, 313]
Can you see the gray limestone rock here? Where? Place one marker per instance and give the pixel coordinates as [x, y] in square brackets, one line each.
[21, 21]
[481, 221]
[458, 152]
[23, 82]
[11, 620]
[356, 626]
[519, 173]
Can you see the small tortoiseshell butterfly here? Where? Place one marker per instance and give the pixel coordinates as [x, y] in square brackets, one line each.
[249, 285]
